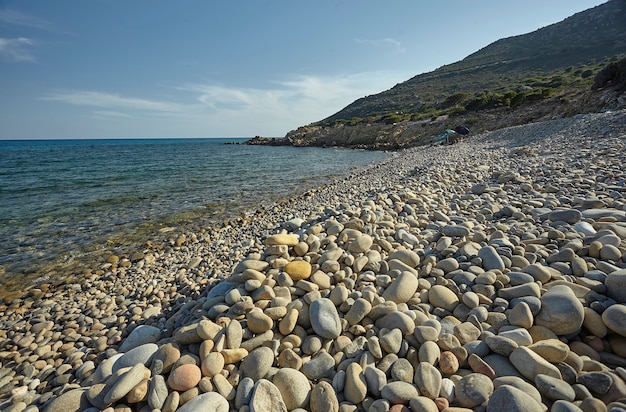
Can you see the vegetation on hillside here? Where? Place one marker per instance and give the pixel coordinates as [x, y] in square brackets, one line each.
[556, 60]
[560, 83]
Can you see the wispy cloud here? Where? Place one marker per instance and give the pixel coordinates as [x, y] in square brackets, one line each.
[110, 113]
[233, 111]
[387, 43]
[307, 92]
[17, 49]
[12, 17]
[89, 98]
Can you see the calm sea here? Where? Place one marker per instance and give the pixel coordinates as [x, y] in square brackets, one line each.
[62, 200]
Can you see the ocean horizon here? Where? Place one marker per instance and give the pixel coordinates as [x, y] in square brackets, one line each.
[66, 201]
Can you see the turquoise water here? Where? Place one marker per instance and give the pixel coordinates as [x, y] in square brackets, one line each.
[62, 199]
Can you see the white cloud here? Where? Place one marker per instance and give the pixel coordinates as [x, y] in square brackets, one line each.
[387, 42]
[12, 17]
[110, 113]
[218, 110]
[318, 94]
[16, 49]
[108, 100]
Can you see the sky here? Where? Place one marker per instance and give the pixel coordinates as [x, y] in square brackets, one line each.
[77, 69]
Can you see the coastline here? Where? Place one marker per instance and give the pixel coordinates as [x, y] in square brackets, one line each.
[444, 204]
[137, 190]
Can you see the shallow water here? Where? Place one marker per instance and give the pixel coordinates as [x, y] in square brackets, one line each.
[62, 199]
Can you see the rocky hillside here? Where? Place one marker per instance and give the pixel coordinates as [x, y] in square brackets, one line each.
[382, 136]
[546, 74]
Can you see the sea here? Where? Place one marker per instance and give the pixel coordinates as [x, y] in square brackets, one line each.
[67, 201]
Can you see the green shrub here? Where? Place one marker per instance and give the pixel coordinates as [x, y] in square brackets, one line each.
[614, 75]
[454, 99]
[586, 73]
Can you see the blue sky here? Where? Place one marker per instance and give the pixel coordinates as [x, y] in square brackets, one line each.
[200, 68]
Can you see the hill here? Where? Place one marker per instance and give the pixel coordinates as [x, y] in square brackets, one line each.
[543, 74]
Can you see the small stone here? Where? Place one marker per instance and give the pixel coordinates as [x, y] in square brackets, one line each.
[401, 370]
[168, 354]
[141, 354]
[212, 364]
[466, 332]
[501, 345]
[209, 402]
[125, 383]
[399, 392]
[294, 387]
[359, 309]
[552, 350]
[527, 289]
[233, 355]
[442, 297]
[324, 318]
[615, 318]
[564, 406]
[553, 388]
[142, 334]
[521, 315]
[258, 322]
[491, 259]
[561, 311]
[470, 299]
[258, 363]
[355, 388]
[480, 366]
[376, 379]
[473, 390]
[406, 256]
[597, 382]
[266, 398]
[184, 377]
[391, 341]
[519, 383]
[428, 380]
[323, 398]
[322, 365]
[423, 404]
[74, 400]
[361, 244]
[298, 269]
[512, 399]
[615, 284]
[282, 239]
[244, 392]
[139, 393]
[402, 289]
[157, 392]
[530, 364]
[448, 363]
[594, 324]
[455, 230]
[570, 216]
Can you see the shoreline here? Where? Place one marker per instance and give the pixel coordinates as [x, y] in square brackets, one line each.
[443, 203]
[84, 241]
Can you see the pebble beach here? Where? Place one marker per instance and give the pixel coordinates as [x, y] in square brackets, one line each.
[489, 275]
